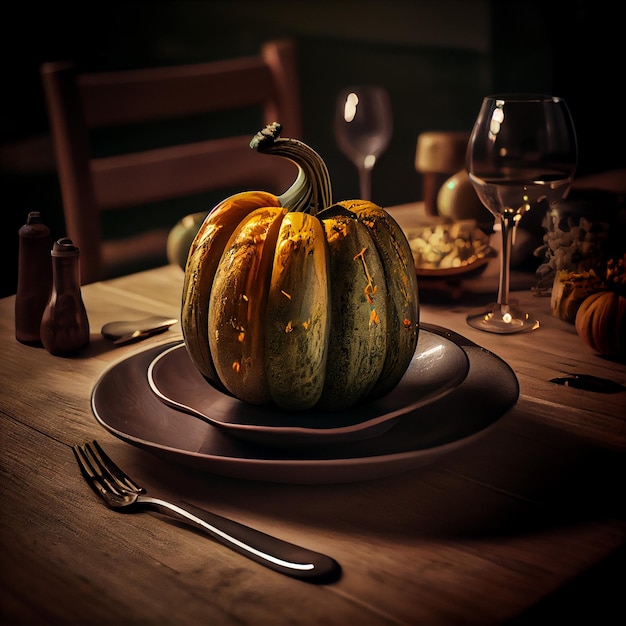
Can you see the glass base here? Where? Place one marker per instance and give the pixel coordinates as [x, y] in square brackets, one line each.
[503, 319]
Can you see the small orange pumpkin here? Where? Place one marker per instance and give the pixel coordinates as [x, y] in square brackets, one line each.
[601, 323]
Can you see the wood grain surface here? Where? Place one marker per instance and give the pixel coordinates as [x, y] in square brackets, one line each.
[488, 534]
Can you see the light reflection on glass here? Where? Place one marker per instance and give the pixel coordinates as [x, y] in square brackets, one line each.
[497, 117]
[349, 110]
[370, 161]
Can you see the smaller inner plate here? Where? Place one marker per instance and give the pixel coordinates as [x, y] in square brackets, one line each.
[438, 366]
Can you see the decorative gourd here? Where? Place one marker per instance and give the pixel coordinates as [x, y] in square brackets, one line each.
[180, 238]
[601, 323]
[296, 301]
[569, 291]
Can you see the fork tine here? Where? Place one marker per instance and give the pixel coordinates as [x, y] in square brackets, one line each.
[106, 465]
[86, 467]
[100, 473]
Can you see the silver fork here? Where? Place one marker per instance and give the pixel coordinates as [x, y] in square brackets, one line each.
[122, 493]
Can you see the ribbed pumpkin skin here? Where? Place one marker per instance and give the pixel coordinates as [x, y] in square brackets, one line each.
[202, 260]
[298, 313]
[601, 323]
[300, 310]
[358, 310]
[295, 301]
[401, 284]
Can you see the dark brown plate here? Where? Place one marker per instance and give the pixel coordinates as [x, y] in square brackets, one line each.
[124, 405]
[438, 366]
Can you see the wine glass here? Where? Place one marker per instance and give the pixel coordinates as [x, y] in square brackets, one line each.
[363, 128]
[522, 151]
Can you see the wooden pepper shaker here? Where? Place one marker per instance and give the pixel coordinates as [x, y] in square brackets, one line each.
[65, 326]
[34, 278]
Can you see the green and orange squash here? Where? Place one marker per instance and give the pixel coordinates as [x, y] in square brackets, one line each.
[296, 301]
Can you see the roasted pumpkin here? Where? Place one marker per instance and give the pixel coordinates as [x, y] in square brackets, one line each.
[296, 301]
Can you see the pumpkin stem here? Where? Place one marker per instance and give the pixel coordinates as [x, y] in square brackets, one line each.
[311, 192]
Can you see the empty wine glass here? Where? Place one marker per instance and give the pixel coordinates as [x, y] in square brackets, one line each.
[522, 151]
[363, 128]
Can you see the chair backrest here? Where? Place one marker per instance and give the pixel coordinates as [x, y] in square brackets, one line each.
[78, 103]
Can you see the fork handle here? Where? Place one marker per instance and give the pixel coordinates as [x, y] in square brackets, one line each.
[281, 556]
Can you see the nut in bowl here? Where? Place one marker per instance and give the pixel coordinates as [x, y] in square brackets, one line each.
[444, 249]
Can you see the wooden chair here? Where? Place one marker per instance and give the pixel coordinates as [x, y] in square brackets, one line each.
[79, 103]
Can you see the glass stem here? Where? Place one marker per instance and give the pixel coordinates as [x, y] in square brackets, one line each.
[508, 224]
[365, 183]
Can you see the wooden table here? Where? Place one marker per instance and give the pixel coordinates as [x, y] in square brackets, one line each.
[491, 533]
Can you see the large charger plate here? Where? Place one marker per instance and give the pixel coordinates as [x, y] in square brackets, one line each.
[124, 404]
[437, 367]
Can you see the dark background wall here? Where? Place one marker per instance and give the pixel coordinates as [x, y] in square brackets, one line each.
[436, 57]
